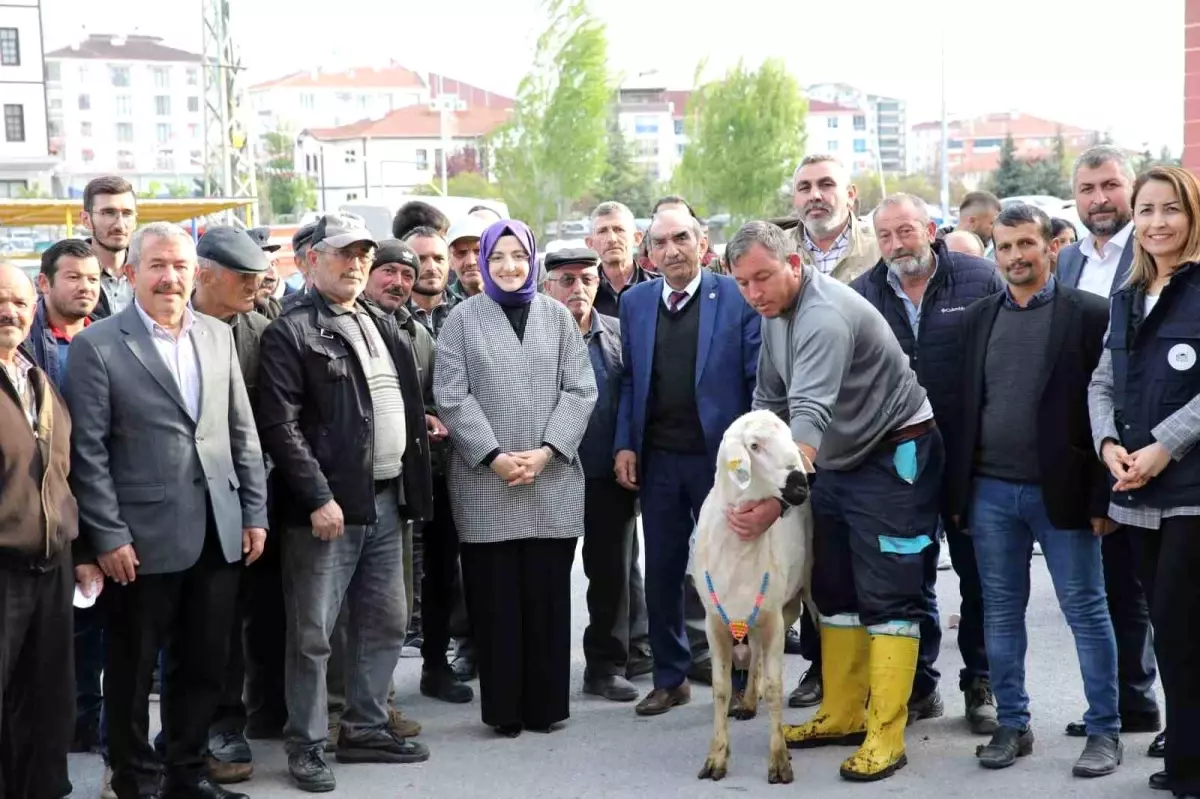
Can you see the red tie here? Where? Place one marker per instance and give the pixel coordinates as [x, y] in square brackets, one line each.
[675, 300]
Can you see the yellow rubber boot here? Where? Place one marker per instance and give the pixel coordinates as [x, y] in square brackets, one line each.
[841, 720]
[893, 662]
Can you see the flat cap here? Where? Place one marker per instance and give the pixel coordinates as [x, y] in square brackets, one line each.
[303, 236]
[262, 237]
[571, 256]
[394, 251]
[234, 249]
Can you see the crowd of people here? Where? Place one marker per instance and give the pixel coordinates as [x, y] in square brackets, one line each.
[253, 498]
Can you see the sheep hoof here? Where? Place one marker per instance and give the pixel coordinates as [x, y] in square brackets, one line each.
[713, 770]
[779, 770]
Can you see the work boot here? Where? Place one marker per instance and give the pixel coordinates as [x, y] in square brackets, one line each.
[891, 666]
[929, 706]
[403, 726]
[1007, 744]
[310, 772]
[981, 706]
[842, 718]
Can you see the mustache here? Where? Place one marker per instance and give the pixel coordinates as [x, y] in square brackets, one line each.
[8, 320]
[172, 289]
[818, 205]
[396, 292]
[1107, 208]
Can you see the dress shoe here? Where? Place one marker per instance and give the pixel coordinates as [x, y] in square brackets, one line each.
[980, 706]
[1159, 781]
[223, 773]
[701, 672]
[446, 684]
[1158, 747]
[612, 687]
[1007, 744]
[639, 666]
[1139, 721]
[544, 729]
[508, 730]
[929, 706]
[230, 747]
[380, 746]
[204, 789]
[791, 642]
[810, 690]
[1101, 756]
[310, 772]
[660, 700]
[403, 726]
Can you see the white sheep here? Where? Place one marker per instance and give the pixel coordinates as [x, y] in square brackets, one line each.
[757, 459]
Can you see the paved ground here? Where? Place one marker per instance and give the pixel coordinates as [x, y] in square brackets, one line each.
[606, 751]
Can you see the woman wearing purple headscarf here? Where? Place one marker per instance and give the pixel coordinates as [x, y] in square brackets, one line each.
[514, 384]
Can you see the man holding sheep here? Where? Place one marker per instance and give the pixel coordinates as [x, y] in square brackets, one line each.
[831, 367]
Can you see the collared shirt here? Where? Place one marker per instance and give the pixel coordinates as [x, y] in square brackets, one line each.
[18, 376]
[433, 320]
[179, 355]
[62, 341]
[826, 262]
[1101, 266]
[911, 309]
[118, 290]
[1044, 295]
[608, 299]
[690, 290]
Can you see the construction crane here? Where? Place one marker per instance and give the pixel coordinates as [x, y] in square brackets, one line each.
[228, 135]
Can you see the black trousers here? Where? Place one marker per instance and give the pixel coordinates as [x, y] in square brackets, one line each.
[1131, 622]
[616, 593]
[441, 586]
[1170, 561]
[970, 589]
[37, 695]
[519, 597]
[189, 614]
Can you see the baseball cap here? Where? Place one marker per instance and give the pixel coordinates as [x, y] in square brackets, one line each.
[233, 249]
[469, 227]
[571, 256]
[394, 251]
[262, 237]
[341, 230]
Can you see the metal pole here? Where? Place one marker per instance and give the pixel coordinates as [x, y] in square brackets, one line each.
[445, 146]
[945, 193]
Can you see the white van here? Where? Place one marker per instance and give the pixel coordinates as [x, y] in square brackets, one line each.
[378, 216]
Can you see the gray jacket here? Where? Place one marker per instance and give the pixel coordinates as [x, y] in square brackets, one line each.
[496, 393]
[143, 471]
[832, 368]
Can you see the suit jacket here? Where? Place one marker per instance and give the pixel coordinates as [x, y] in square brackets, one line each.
[143, 472]
[1074, 484]
[726, 358]
[495, 392]
[1072, 260]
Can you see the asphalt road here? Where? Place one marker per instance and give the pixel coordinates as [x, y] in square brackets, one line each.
[607, 751]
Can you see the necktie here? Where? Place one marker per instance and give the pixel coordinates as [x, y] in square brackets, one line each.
[675, 300]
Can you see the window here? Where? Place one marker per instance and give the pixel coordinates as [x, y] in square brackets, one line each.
[14, 123]
[193, 105]
[193, 131]
[85, 73]
[124, 105]
[162, 105]
[193, 76]
[53, 128]
[860, 122]
[85, 102]
[679, 127]
[831, 122]
[860, 145]
[351, 195]
[124, 131]
[124, 159]
[118, 76]
[87, 155]
[53, 71]
[422, 159]
[56, 104]
[162, 133]
[437, 159]
[988, 144]
[832, 145]
[954, 144]
[344, 97]
[645, 124]
[364, 101]
[85, 129]
[162, 77]
[165, 160]
[350, 156]
[10, 47]
[307, 101]
[12, 189]
[196, 157]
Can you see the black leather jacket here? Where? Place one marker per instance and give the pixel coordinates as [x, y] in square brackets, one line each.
[315, 415]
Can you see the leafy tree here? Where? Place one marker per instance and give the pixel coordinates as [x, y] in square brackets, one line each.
[1009, 178]
[471, 184]
[282, 192]
[34, 192]
[179, 190]
[623, 179]
[746, 134]
[552, 151]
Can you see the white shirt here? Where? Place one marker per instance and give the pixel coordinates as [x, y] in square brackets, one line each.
[690, 290]
[179, 355]
[1101, 266]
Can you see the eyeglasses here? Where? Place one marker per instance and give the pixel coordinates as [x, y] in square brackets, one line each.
[569, 281]
[113, 214]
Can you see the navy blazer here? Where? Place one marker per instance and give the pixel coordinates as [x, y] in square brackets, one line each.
[726, 358]
[1071, 262]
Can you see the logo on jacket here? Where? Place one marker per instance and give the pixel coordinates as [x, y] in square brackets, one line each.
[952, 310]
[1181, 357]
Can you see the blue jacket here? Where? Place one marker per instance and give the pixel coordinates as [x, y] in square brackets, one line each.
[43, 346]
[1072, 260]
[726, 358]
[936, 354]
[604, 351]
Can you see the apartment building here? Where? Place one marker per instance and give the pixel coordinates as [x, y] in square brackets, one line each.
[25, 160]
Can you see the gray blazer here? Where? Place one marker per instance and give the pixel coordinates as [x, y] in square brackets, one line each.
[142, 470]
[1072, 260]
[496, 393]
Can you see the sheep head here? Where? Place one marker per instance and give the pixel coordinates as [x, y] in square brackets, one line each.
[758, 448]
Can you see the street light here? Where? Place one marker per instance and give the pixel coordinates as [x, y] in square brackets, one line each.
[446, 104]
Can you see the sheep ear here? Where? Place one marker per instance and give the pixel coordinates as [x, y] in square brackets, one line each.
[737, 466]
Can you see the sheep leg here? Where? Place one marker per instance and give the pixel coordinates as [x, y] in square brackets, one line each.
[779, 762]
[720, 645]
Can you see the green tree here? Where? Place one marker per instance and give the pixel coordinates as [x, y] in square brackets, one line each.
[745, 136]
[179, 190]
[623, 179]
[471, 184]
[1010, 176]
[917, 184]
[34, 192]
[553, 149]
[282, 192]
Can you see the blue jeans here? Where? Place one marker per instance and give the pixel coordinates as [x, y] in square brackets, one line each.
[1005, 519]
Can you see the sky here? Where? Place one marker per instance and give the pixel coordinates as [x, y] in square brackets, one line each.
[1102, 64]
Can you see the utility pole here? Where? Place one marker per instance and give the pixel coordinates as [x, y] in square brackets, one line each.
[228, 136]
[445, 105]
[945, 193]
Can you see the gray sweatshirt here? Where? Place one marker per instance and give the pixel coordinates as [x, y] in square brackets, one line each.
[832, 368]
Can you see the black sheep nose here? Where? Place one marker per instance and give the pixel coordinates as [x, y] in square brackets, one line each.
[795, 490]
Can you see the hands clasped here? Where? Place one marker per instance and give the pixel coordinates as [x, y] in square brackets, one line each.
[521, 468]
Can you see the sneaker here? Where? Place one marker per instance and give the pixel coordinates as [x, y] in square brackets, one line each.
[310, 771]
[412, 645]
[380, 746]
[1101, 756]
[981, 706]
[929, 706]
[230, 747]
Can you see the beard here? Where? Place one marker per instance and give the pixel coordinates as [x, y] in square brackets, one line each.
[1106, 227]
[911, 264]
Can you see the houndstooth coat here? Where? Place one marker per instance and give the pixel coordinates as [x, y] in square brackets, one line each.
[495, 392]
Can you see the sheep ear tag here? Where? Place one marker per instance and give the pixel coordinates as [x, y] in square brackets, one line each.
[739, 473]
